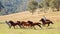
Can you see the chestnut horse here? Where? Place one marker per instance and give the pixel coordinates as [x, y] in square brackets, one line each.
[47, 21]
[25, 24]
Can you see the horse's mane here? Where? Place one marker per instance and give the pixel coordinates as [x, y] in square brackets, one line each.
[42, 19]
[18, 22]
[11, 22]
[30, 22]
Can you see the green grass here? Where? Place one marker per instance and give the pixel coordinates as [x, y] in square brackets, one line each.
[4, 29]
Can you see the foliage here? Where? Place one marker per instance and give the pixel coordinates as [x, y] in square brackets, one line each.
[51, 3]
[56, 4]
[32, 5]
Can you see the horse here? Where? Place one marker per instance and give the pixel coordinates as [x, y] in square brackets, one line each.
[34, 24]
[25, 24]
[47, 21]
[11, 23]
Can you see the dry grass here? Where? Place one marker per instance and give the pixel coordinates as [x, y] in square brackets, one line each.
[25, 16]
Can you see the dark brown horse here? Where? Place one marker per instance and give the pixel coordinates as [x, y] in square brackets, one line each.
[47, 21]
[34, 24]
[11, 23]
[29, 24]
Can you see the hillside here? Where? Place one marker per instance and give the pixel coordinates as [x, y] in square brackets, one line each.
[25, 16]
[13, 6]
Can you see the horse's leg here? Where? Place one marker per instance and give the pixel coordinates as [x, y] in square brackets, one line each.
[34, 27]
[23, 26]
[14, 27]
[31, 26]
[40, 26]
[20, 26]
[10, 26]
[48, 25]
[44, 25]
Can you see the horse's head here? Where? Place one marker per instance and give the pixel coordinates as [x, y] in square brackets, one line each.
[42, 19]
[18, 21]
[23, 22]
[28, 21]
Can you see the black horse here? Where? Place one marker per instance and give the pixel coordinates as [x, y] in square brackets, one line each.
[47, 21]
[11, 23]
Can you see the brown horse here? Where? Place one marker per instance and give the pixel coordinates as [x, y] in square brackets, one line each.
[11, 23]
[30, 24]
[25, 24]
[47, 21]
[34, 24]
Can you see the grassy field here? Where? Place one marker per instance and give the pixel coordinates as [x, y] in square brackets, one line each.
[25, 16]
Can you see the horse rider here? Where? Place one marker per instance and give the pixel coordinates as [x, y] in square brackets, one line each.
[44, 17]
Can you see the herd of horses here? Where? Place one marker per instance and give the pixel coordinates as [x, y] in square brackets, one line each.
[24, 24]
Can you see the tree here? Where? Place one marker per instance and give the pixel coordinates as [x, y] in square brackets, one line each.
[32, 5]
[56, 4]
[50, 3]
[45, 4]
[1, 6]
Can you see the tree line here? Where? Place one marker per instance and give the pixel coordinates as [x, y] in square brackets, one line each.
[54, 4]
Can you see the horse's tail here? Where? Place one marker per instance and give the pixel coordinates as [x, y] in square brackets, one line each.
[52, 22]
[8, 23]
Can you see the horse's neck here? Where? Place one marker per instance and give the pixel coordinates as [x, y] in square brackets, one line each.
[31, 23]
[43, 20]
[11, 22]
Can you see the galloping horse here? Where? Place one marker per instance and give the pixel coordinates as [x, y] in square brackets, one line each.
[47, 21]
[11, 23]
[34, 24]
[25, 24]
[29, 24]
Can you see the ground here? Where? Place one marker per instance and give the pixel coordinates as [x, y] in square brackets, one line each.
[25, 16]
